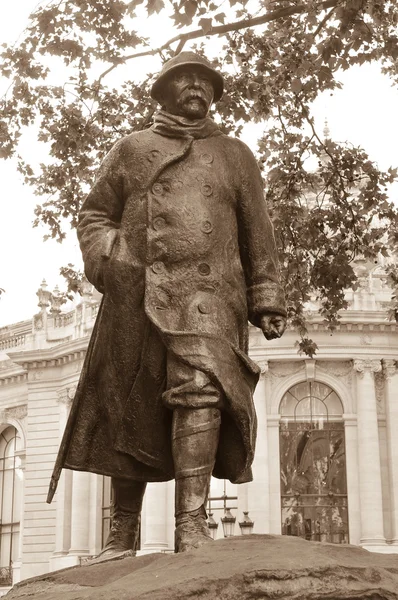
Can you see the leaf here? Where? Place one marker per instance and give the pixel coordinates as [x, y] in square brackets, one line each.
[190, 8]
[220, 18]
[296, 85]
[206, 25]
[154, 6]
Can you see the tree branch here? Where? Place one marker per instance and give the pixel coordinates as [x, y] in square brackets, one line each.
[324, 21]
[182, 38]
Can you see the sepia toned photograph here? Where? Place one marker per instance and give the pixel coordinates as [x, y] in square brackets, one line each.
[199, 300]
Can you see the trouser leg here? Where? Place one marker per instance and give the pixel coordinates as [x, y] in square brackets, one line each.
[195, 436]
[125, 516]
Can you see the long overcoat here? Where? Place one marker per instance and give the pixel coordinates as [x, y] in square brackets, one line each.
[176, 235]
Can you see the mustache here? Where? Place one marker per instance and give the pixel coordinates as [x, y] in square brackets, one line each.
[190, 94]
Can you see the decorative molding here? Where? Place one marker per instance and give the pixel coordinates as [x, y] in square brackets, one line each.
[338, 368]
[38, 322]
[309, 365]
[66, 395]
[365, 339]
[362, 327]
[379, 389]
[14, 412]
[56, 362]
[367, 365]
[284, 369]
[390, 368]
[37, 375]
[264, 367]
[79, 366]
[10, 379]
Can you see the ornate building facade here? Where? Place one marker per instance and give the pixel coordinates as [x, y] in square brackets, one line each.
[326, 464]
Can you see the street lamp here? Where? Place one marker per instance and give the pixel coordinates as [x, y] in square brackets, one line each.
[246, 526]
[228, 523]
[212, 525]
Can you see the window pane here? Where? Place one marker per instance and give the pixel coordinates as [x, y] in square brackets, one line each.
[10, 497]
[312, 463]
[5, 549]
[311, 398]
[7, 499]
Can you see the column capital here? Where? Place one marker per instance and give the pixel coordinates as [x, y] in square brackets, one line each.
[367, 365]
[66, 395]
[390, 367]
[264, 367]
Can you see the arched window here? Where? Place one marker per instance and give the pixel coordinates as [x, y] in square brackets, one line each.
[10, 500]
[313, 466]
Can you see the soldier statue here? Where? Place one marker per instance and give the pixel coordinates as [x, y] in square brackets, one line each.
[176, 236]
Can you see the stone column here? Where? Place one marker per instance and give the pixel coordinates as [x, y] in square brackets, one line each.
[258, 492]
[370, 486]
[274, 474]
[79, 539]
[16, 566]
[351, 449]
[391, 377]
[154, 514]
[64, 490]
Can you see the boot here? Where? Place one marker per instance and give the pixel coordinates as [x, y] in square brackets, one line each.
[125, 520]
[195, 437]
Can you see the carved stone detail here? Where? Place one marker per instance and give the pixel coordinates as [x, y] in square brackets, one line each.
[365, 339]
[284, 369]
[14, 412]
[367, 365]
[379, 389]
[264, 367]
[339, 368]
[390, 368]
[66, 395]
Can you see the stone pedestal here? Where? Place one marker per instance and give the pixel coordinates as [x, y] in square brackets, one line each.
[249, 567]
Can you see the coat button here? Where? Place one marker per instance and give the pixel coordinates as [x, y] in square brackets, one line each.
[158, 223]
[157, 189]
[206, 158]
[158, 266]
[204, 269]
[206, 189]
[207, 227]
[204, 308]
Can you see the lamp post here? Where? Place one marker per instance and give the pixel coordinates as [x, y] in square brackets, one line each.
[246, 526]
[212, 525]
[228, 523]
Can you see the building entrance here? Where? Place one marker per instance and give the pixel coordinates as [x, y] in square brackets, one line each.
[313, 464]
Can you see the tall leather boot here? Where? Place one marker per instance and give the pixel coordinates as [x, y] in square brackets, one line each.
[194, 442]
[125, 519]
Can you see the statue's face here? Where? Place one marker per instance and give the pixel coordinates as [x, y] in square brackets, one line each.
[189, 93]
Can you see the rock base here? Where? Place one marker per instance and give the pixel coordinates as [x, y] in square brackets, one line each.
[257, 567]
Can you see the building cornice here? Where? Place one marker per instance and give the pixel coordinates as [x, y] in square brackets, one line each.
[54, 356]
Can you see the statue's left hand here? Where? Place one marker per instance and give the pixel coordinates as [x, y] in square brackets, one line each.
[273, 325]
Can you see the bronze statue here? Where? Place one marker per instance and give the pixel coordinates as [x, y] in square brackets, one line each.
[175, 234]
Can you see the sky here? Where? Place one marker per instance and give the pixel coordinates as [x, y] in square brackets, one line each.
[364, 113]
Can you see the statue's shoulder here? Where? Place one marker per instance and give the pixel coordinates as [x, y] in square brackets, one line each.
[238, 149]
[136, 141]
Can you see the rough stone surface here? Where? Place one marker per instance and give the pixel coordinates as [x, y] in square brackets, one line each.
[239, 568]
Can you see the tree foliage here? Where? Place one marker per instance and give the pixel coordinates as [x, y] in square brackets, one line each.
[278, 55]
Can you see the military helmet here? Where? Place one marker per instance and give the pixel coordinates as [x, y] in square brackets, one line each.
[182, 60]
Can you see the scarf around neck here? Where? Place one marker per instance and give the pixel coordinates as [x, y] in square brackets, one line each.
[179, 127]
